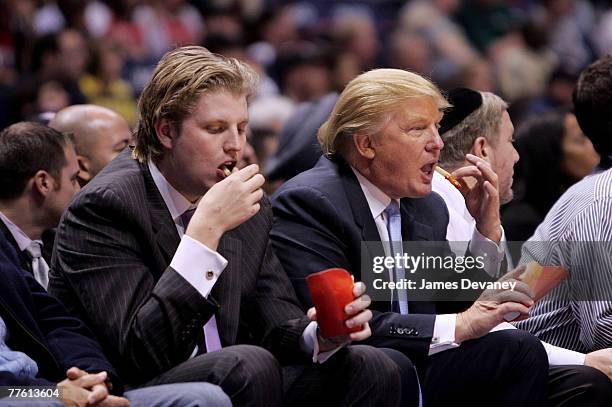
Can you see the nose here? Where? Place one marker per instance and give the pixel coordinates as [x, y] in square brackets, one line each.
[235, 140]
[516, 155]
[436, 143]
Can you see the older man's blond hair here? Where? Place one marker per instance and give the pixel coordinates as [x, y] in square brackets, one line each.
[181, 76]
[368, 103]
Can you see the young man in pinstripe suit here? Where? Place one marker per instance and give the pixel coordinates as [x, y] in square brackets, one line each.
[166, 255]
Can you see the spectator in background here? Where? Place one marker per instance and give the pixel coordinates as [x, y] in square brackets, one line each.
[555, 154]
[165, 24]
[304, 71]
[433, 21]
[104, 86]
[523, 62]
[38, 173]
[99, 135]
[411, 52]
[356, 33]
[267, 118]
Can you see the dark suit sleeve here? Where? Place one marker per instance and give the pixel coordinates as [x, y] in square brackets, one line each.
[104, 259]
[280, 320]
[309, 236]
[70, 341]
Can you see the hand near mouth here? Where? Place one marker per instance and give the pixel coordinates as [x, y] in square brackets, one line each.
[226, 205]
[482, 196]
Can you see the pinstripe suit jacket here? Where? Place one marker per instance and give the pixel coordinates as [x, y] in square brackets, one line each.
[111, 267]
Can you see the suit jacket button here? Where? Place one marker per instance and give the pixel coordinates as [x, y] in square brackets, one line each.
[210, 275]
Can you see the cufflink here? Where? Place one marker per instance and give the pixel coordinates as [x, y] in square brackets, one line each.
[210, 275]
[435, 340]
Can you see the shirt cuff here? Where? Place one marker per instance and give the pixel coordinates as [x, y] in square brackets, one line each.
[443, 334]
[561, 356]
[310, 344]
[197, 264]
[491, 252]
[556, 355]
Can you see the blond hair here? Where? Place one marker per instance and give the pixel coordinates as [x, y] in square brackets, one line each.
[180, 77]
[482, 122]
[368, 102]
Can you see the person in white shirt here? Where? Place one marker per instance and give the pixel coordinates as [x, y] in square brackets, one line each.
[38, 174]
[478, 123]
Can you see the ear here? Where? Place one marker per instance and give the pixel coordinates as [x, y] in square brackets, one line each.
[84, 168]
[364, 145]
[43, 183]
[165, 132]
[481, 148]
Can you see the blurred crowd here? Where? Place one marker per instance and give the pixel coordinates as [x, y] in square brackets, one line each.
[56, 53]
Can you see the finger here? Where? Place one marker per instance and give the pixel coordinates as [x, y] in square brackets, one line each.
[256, 196]
[476, 161]
[98, 393]
[114, 401]
[255, 208]
[312, 314]
[487, 173]
[74, 373]
[513, 307]
[359, 289]
[357, 305]
[365, 333]
[490, 189]
[522, 287]
[515, 274]
[514, 296]
[467, 171]
[255, 182]
[359, 319]
[89, 380]
[247, 172]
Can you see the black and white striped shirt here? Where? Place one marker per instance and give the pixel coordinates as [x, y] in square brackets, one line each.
[576, 234]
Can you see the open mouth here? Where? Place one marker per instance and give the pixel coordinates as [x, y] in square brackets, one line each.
[428, 169]
[227, 167]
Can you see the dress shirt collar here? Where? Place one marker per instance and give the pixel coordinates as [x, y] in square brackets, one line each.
[23, 241]
[177, 204]
[377, 199]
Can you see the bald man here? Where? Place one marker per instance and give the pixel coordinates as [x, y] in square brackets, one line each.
[99, 133]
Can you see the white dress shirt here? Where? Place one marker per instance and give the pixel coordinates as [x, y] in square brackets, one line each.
[23, 242]
[444, 326]
[460, 226]
[192, 258]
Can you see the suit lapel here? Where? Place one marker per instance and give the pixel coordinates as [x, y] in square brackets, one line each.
[412, 228]
[227, 289]
[24, 260]
[359, 204]
[166, 235]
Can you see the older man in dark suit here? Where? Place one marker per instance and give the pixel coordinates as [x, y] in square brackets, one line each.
[382, 145]
[166, 255]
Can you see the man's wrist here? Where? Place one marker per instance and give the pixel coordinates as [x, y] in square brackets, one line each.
[493, 233]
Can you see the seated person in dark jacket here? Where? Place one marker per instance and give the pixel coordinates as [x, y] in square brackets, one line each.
[374, 185]
[41, 345]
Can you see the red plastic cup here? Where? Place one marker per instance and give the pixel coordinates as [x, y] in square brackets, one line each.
[331, 290]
